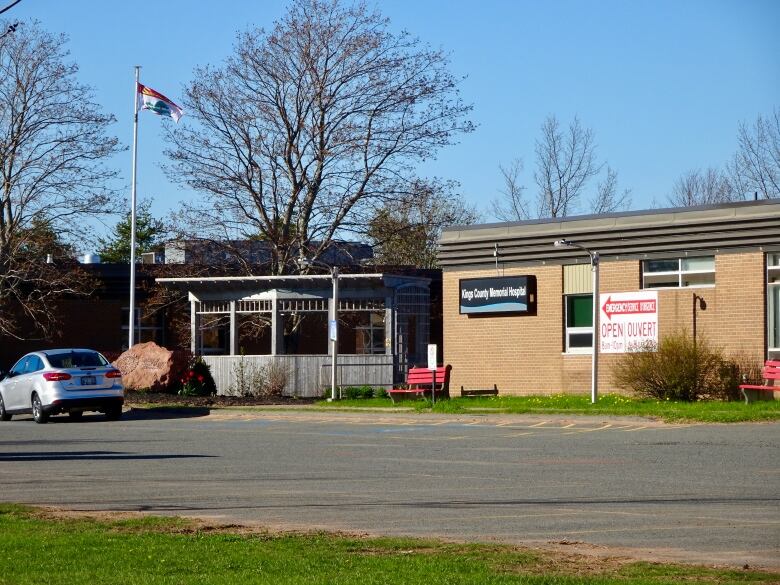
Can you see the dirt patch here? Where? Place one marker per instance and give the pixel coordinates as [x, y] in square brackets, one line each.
[551, 558]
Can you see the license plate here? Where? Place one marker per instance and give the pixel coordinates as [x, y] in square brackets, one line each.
[88, 380]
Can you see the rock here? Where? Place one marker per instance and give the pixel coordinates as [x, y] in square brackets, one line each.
[147, 366]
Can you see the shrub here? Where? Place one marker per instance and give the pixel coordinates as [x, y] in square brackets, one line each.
[738, 368]
[674, 369]
[259, 381]
[274, 378]
[197, 380]
[357, 392]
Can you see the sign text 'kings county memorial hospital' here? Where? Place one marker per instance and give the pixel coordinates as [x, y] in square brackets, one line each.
[511, 294]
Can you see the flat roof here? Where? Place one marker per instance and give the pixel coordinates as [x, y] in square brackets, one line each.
[709, 229]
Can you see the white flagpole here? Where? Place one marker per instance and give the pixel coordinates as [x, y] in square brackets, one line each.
[131, 316]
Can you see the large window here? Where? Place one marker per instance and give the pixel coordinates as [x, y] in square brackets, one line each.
[147, 327]
[579, 323]
[773, 301]
[679, 272]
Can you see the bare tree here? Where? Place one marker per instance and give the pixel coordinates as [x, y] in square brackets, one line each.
[608, 197]
[512, 205]
[755, 167]
[698, 187]
[52, 144]
[406, 231]
[565, 161]
[307, 129]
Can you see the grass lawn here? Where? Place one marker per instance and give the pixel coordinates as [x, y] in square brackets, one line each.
[37, 547]
[607, 405]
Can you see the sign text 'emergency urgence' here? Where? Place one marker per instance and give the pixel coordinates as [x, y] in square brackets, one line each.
[628, 321]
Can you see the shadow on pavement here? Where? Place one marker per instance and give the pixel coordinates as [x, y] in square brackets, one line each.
[165, 412]
[91, 456]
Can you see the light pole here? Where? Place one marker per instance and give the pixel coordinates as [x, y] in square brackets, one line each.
[594, 269]
[333, 322]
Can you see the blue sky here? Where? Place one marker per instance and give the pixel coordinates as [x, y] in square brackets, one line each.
[663, 84]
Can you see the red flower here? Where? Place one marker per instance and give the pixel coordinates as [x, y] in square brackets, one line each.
[190, 374]
[200, 378]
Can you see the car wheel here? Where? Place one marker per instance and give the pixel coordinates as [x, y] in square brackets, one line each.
[3, 412]
[38, 415]
[114, 412]
[75, 414]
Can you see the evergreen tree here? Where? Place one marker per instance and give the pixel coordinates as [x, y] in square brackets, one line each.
[149, 235]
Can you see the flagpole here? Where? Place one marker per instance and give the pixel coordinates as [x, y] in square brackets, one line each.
[131, 316]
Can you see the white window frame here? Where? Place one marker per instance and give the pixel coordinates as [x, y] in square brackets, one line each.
[773, 300]
[680, 274]
[569, 331]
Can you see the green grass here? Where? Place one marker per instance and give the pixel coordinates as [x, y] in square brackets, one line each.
[38, 549]
[607, 405]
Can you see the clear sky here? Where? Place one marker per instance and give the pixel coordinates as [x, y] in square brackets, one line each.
[663, 84]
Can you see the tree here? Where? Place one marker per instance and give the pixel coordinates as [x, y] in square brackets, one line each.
[308, 128]
[406, 232]
[512, 206]
[53, 143]
[565, 164]
[755, 167]
[697, 187]
[149, 234]
[608, 198]
[565, 161]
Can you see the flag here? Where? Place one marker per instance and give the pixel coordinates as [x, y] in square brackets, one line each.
[148, 99]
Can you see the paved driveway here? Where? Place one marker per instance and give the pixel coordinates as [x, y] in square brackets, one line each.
[699, 492]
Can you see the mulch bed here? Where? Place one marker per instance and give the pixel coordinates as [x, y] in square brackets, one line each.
[133, 397]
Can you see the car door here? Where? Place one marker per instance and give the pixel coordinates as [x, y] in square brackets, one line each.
[32, 369]
[11, 394]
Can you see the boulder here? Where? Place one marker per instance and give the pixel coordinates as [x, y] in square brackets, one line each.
[147, 366]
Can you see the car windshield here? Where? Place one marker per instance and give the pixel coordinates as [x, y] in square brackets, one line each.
[76, 359]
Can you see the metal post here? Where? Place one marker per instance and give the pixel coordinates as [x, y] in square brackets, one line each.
[594, 268]
[335, 347]
[131, 316]
[594, 381]
[233, 329]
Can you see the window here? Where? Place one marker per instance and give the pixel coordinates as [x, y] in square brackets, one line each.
[76, 359]
[19, 366]
[773, 301]
[679, 272]
[370, 334]
[579, 323]
[147, 327]
[34, 364]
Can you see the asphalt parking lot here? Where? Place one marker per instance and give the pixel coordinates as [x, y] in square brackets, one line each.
[702, 493]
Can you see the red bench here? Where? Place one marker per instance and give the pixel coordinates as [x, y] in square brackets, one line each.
[771, 373]
[419, 382]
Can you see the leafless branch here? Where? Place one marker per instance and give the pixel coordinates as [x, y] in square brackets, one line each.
[308, 128]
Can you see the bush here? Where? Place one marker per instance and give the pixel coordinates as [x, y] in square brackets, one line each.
[676, 369]
[197, 380]
[739, 368]
[357, 392]
[259, 381]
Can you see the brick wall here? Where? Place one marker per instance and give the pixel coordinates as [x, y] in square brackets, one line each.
[524, 354]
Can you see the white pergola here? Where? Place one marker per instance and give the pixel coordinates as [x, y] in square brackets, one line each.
[405, 301]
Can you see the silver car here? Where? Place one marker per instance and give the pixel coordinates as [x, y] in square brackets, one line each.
[56, 381]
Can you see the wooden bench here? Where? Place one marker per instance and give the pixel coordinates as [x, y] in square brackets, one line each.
[771, 374]
[481, 392]
[419, 382]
